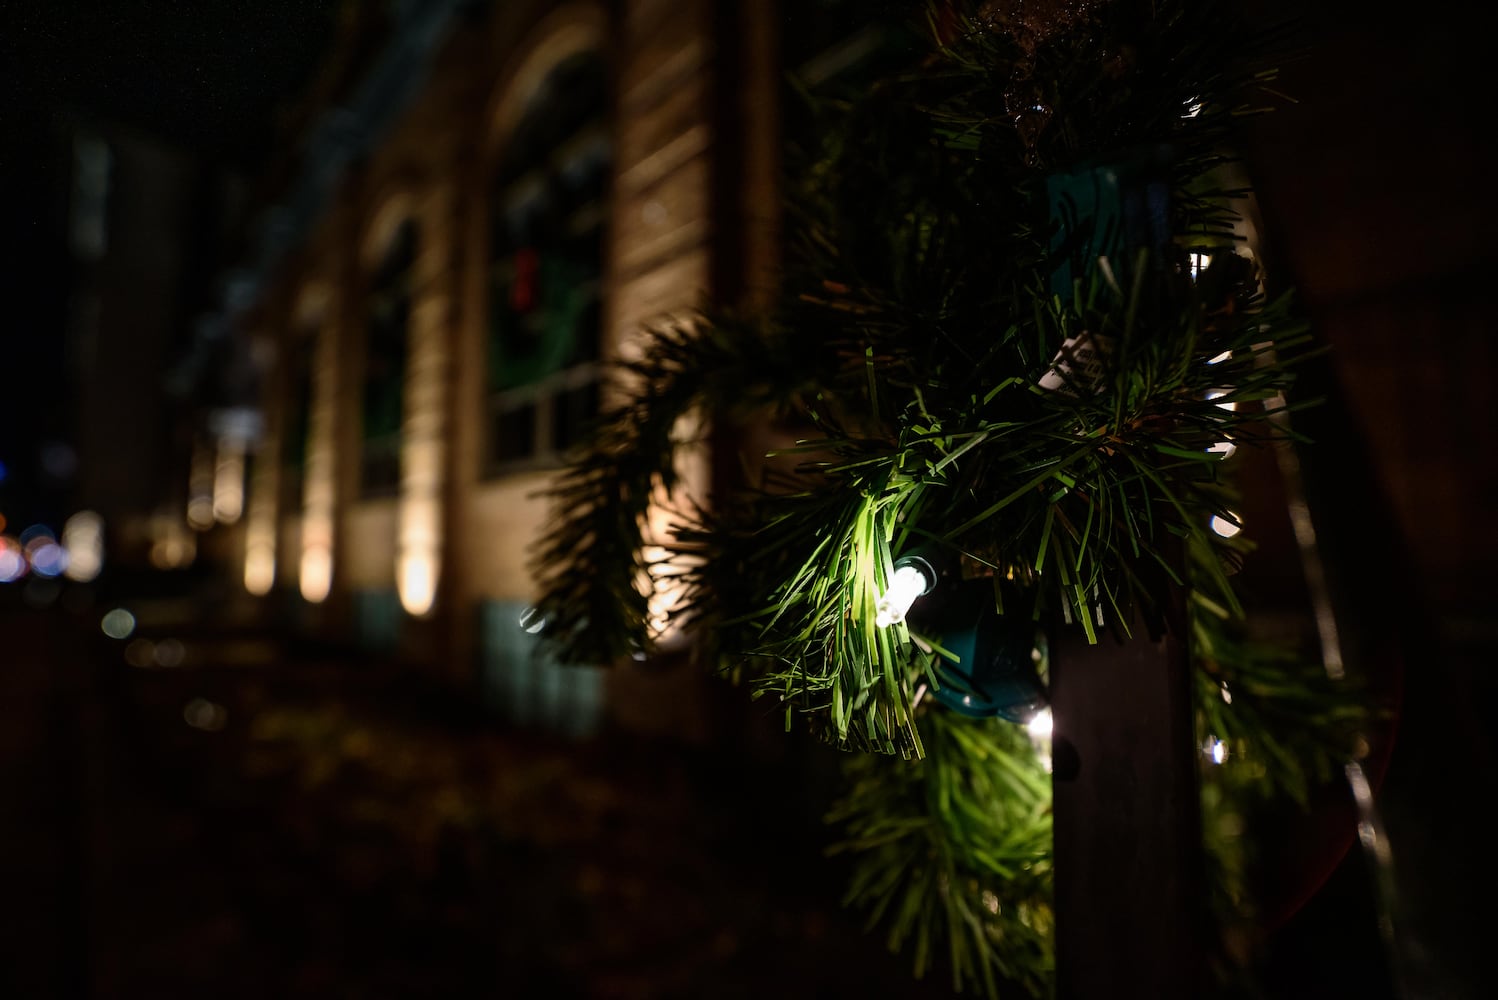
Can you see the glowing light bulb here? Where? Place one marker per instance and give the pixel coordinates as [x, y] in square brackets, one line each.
[909, 582]
[1219, 751]
[1040, 725]
[1224, 527]
[1197, 262]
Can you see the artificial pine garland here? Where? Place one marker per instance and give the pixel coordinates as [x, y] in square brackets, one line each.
[972, 372]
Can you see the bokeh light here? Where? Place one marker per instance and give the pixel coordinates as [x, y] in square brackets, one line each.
[209, 716]
[228, 482]
[173, 546]
[259, 568]
[36, 534]
[48, 559]
[83, 541]
[169, 653]
[316, 575]
[417, 583]
[118, 623]
[13, 564]
[200, 488]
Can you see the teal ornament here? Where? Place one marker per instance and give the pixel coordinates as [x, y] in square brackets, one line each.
[1107, 209]
[1001, 657]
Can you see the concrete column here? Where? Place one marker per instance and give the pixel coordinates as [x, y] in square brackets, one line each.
[419, 527]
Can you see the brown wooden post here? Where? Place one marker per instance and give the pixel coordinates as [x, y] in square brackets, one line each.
[1129, 903]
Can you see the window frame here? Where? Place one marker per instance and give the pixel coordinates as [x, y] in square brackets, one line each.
[542, 397]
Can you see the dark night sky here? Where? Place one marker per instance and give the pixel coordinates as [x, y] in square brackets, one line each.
[205, 77]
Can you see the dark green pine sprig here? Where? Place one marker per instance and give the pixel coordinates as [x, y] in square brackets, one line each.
[951, 855]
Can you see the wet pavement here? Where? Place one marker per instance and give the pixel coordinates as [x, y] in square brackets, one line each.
[202, 809]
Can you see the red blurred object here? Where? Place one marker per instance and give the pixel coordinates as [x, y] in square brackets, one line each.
[523, 288]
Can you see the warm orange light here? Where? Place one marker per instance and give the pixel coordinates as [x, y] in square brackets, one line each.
[200, 488]
[172, 545]
[316, 575]
[228, 481]
[83, 540]
[260, 525]
[416, 583]
[259, 568]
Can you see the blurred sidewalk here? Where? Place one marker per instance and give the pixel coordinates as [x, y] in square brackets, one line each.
[201, 810]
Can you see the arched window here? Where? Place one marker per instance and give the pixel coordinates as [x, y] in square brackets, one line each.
[548, 209]
[391, 288]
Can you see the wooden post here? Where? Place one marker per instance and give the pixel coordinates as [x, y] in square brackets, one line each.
[1129, 904]
[1127, 820]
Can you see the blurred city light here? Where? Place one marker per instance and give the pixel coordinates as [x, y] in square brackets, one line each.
[261, 522]
[200, 713]
[259, 567]
[36, 533]
[48, 559]
[200, 482]
[141, 653]
[83, 541]
[12, 560]
[173, 546]
[228, 481]
[118, 624]
[169, 653]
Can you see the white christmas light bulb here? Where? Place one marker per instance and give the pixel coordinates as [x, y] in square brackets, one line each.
[1040, 725]
[908, 583]
[1225, 527]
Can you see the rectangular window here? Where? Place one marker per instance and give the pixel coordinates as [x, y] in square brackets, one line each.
[548, 212]
[297, 429]
[391, 293]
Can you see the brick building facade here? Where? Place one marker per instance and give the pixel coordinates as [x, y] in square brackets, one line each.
[432, 337]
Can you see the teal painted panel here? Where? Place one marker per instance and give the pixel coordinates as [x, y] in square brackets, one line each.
[523, 684]
[377, 620]
[1104, 210]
